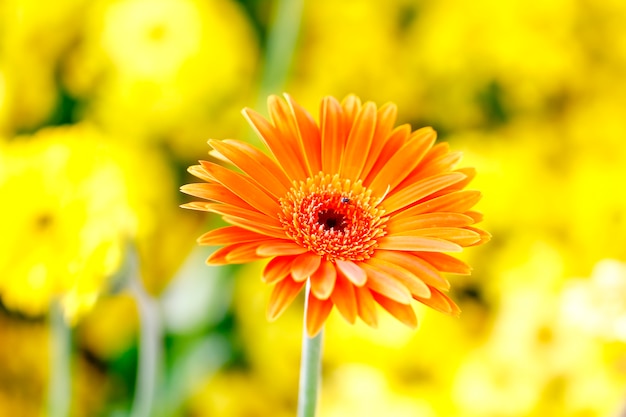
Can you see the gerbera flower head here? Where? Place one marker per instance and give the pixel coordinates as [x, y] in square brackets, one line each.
[367, 212]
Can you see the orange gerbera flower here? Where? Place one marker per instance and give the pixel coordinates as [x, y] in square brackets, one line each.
[363, 210]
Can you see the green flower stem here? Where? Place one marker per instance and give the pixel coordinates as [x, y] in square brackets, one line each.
[149, 352]
[59, 381]
[310, 367]
[281, 44]
[282, 36]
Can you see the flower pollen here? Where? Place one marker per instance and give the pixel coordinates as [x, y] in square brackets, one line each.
[333, 217]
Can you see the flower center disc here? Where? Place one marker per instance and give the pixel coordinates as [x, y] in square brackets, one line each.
[333, 217]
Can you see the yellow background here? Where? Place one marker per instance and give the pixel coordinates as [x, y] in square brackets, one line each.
[104, 103]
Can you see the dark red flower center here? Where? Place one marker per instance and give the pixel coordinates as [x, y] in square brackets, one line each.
[332, 217]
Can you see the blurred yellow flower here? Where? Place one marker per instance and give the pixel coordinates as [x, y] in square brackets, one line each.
[145, 38]
[23, 367]
[595, 129]
[110, 327]
[69, 235]
[24, 371]
[236, 394]
[355, 46]
[534, 358]
[4, 113]
[176, 65]
[485, 60]
[34, 37]
[65, 233]
[598, 305]
[358, 390]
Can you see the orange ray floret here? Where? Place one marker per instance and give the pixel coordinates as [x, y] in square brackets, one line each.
[367, 213]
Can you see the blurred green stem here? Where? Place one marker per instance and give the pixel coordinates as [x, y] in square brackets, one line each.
[149, 343]
[310, 367]
[282, 36]
[281, 43]
[59, 381]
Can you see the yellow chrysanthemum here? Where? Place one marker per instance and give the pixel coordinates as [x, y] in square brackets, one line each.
[335, 55]
[172, 64]
[66, 233]
[361, 209]
[34, 37]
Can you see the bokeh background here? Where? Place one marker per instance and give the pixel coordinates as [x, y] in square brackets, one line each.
[103, 105]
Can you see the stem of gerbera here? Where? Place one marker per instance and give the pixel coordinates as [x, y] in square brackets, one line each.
[149, 351]
[59, 381]
[281, 44]
[310, 367]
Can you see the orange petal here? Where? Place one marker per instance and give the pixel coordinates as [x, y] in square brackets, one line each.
[403, 275]
[219, 256]
[252, 215]
[244, 253]
[459, 235]
[422, 221]
[442, 163]
[359, 142]
[386, 118]
[484, 236]
[277, 269]
[470, 174]
[316, 314]
[351, 105]
[227, 235]
[343, 296]
[420, 189]
[446, 263]
[279, 248]
[234, 254]
[403, 312]
[333, 134]
[323, 280]
[456, 201]
[352, 271]
[283, 120]
[276, 144]
[402, 162]
[366, 306]
[393, 143]
[258, 166]
[246, 189]
[284, 292]
[440, 302]
[427, 273]
[305, 265]
[417, 243]
[478, 217]
[383, 283]
[387, 115]
[199, 172]
[308, 135]
[266, 161]
[195, 205]
[216, 155]
[215, 192]
[437, 151]
[255, 226]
